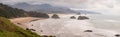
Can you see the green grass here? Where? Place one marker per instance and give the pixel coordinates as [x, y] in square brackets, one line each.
[8, 29]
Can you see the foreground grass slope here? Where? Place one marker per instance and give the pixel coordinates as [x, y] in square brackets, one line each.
[8, 29]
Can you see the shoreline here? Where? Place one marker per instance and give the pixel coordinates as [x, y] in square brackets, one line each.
[22, 20]
[49, 26]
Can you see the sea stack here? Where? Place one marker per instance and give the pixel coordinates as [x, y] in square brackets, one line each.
[117, 35]
[72, 17]
[82, 18]
[88, 31]
[55, 16]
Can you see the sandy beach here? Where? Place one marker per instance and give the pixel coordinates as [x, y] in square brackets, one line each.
[22, 20]
[63, 27]
[66, 27]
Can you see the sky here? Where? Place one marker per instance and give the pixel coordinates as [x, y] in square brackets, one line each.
[107, 7]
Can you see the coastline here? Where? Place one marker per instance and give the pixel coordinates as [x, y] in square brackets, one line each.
[58, 26]
[22, 20]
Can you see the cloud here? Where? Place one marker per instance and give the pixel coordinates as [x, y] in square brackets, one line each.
[108, 7]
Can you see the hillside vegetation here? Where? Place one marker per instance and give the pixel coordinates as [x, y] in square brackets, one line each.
[8, 29]
[37, 14]
[9, 12]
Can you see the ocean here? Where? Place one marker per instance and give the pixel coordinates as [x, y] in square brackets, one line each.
[109, 22]
[101, 25]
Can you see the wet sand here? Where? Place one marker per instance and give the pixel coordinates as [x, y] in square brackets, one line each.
[63, 27]
[66, 27]
[22, 20]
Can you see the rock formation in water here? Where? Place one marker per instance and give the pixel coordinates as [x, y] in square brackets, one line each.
[72, 17]
[88, 31]
[117, 35]
[82, 18]
[55, 16]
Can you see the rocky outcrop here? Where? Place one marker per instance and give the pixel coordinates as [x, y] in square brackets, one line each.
[38, 14]
[72, 17]
[117, 35]
[55, 16]
[48, 36]
[82, 18]
[88, 31]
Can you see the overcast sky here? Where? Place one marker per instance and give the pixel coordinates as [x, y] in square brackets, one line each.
[108, 7]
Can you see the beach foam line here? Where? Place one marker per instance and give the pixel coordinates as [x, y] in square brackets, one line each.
[69, 27]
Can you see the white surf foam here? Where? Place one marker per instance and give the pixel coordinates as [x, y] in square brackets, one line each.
[66, 27]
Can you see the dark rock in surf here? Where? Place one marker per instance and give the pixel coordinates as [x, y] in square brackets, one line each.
[55, 16]
[88, 31]
[82, 18]
[48, 36]
[72, 17]
[117, 35]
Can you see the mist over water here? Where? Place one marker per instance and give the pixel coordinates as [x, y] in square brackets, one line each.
[66, 27]
[106, 21]
[105, 24]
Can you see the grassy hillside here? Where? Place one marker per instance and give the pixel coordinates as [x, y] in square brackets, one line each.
[8, 29]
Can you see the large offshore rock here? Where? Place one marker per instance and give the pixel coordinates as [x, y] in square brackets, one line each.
[55, 16]
[82, 18]
[88, 31]
[72, 17]
[117, 35]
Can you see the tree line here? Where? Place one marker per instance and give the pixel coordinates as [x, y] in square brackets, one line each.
[9, 12]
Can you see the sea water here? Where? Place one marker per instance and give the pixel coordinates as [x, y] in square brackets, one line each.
[110, 22]
[103, 26]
